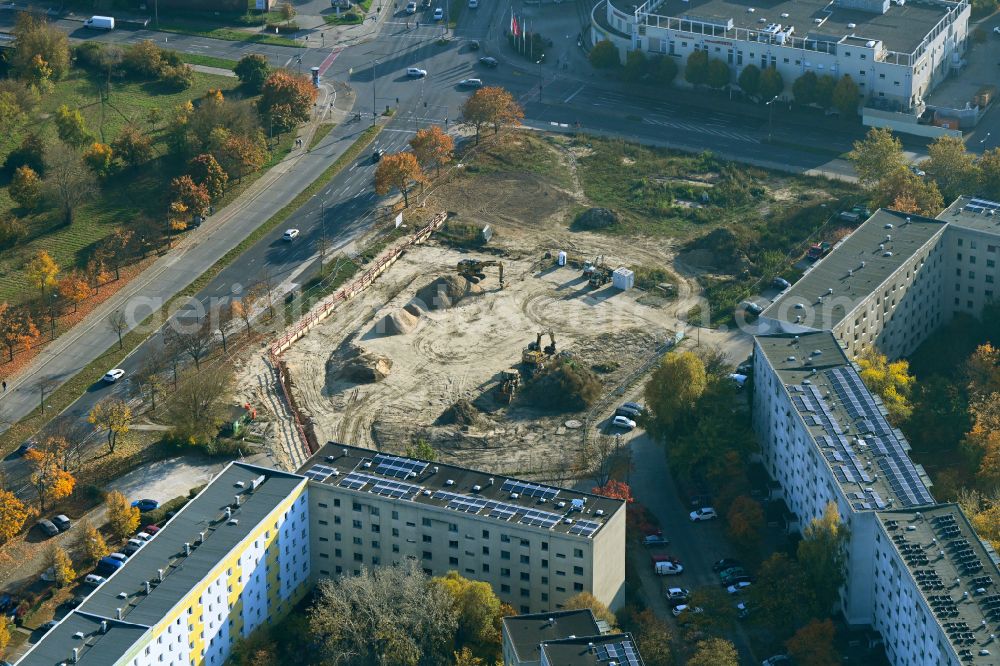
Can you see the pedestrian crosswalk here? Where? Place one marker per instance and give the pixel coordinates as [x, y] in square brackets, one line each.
[700, 128]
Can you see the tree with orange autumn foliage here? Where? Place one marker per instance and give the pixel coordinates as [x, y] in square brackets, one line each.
[74, 288]
[745, 520]
[50, 481]
[239, 155]
[42, 271]
[432, 147]
[16, 329]
[615, 490]
[812, 645]
[491, 106]
[286, 99]
[13, 513]
[194, 197]
[397, 171]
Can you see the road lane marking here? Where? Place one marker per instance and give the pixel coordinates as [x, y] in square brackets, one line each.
[578, 91]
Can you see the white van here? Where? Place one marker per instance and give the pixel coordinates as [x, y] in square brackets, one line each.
[100, 23]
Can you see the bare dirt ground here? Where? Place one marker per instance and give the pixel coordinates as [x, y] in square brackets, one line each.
[386, 369]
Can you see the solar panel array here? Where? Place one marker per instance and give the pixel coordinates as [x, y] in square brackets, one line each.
[982, 206]
[623, 653]
[584, 527]
[320, 472]
[500, 510]
[355, 481]
[525, 489]
[398, 467]
[894, 464]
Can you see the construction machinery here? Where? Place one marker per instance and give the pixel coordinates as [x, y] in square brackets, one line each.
[473, 270]
[597, 272]
[536, 357]
[510, 381]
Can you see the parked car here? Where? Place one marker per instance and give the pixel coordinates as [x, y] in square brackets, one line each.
[146, 505]
[411, 8]
[655, 540]
[743, 610]
[628, 412]
[734, 570]
[416, 72]
[684, 608]
[780, 283]
[489, 62]
[118, 557]
[471, 83]
[752, 308]
[133, 545]
[736, 588]
[917, 171]
[634, 406]
[151, 529]
[668, 568]
[76, 601]
[738, 379]
[48, 625]
[996, 30]
[62, 522]
[677, 596]
[704, 513]
[735, 580]
[377, 155]
[49, 575]
[94, 579]
[143, 536]
[113, 375]
[473, 4]
[290, 234]
[725, 563]
[473, 44]
[48, 527]
[109, 565]
[438, 13]
[623, 422]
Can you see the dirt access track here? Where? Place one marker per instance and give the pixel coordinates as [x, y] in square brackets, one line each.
[431, 347]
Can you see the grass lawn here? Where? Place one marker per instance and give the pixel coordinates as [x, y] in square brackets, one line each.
[350, 17]
[320, 134]
[204, 29]
[208, 61]
[122, 197]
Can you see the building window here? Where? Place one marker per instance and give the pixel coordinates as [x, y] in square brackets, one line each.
[426, 522]
[453, 561]
[427, 538]
[356, 524]
[525, 592]
[486, 534]
[577, 552]
[525, 576]
[504, 538]
[504, 589]
[525, 559]
[486, 550]
[453, 544]
[505, 573]
[578, 587]
[357, 541]
[357, 557]
[427, 555]
[577, 571]
[486, 568]
[504, 554]
[355, 506]
[376, 529]
[395, 515]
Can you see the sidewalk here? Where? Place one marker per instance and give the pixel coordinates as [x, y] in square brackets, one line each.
[191, 256]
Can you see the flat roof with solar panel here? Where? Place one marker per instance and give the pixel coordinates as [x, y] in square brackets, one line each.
[866, 456]
[956, 574]
[499, 498]
[974, 213]
[606, 650]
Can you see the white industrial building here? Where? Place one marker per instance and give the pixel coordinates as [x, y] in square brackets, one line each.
[897, 51]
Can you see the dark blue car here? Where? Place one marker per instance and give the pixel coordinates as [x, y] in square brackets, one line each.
[146, 505]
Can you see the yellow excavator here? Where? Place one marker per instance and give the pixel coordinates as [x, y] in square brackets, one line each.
[536, 357]
[473, 270]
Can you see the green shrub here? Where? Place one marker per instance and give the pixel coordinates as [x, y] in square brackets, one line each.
[604, 55]
[565, 386]
[160, 514]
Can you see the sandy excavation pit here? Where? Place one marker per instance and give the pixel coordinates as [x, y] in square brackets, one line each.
[389, 367]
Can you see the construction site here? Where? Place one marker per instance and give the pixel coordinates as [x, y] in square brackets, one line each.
[500, 357]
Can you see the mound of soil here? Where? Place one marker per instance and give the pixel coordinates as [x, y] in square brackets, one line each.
[596, 218]
[398, 322]
[462, 412]
[565, 386]
[361, 367]
[445, 292]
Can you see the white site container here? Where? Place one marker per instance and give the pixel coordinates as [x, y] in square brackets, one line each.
[623, 279]
[562, 258]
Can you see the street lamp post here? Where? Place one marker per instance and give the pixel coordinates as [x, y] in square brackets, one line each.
[374, 111]
[539, 63]
[770, 118]
[982, 142]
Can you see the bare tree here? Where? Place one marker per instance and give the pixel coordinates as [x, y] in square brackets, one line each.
[149, 375]
[196, 408]
[603, 452]
[68, 180]
[195, 341]
[716, 360]
[118, 322]
[224, 315]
